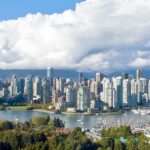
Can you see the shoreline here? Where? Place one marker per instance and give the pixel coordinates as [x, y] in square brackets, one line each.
[72, 113]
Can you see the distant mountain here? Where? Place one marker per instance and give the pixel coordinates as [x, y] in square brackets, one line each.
[6, 74]
[146, 73]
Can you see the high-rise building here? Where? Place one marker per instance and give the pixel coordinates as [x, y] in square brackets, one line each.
[109, 96]
[55, 96]
[28, 89]
[50, 72]
[71, 96]
[125, 75]
[21, 83]
[134, 87]
[126, 92]
[81, 77]
[83, 100]
[143, 85]
[139, 74]
[5, 92]
[99, 77]
[37, 87]
[117, 84]
[46, 91]
[95, 88]
[62, 82]
[149, 90]
[13, 86]
[142, 88]
[104, 95]
[59, 84]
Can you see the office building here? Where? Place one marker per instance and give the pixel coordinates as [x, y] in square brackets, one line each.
[139, 74]
[83, 100]
[37, 87]
[13, 88]
[46, 91]
[71, 96]
[126, 92]
[81, 77]
[28, 89]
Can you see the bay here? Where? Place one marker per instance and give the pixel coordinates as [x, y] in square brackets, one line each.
[74, 120]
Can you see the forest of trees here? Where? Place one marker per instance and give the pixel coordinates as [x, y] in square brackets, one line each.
[43, 133]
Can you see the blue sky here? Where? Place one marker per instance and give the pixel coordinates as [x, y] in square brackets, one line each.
[12, 9]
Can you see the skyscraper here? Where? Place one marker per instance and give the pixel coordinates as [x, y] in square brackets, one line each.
[149, 90]
[28, 88]
[104, 94]
[133, 87]
[108, 96]
[50, 72]
[13, 86]
[81, 77]
[37, 87]
[126, 92]
[125, 75]
[71, 96]
[99, 77]
[46, 91]
[21, 83]
[142, 88]
[111, 95]
[83, 98]
[95, 89]
[62, 82]
[117, 84]
[139, 74]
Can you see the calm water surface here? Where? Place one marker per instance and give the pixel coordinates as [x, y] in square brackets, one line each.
[74, 120]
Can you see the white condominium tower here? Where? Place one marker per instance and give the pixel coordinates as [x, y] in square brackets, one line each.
[126, 92]
[83, 98]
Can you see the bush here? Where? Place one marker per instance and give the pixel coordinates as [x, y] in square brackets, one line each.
[40, 120]
[30, 108]
[6, 125]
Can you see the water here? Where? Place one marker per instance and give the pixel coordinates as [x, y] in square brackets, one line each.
[74, 120]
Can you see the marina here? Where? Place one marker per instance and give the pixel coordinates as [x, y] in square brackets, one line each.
[136, 126]
[145, 111]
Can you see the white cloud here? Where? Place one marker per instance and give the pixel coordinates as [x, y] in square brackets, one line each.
[141, 62]
[98, 35]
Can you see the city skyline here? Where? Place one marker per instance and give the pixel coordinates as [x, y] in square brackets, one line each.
[100, 93]
[74, 38]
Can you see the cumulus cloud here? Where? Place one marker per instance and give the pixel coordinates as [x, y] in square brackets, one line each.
[98, 35]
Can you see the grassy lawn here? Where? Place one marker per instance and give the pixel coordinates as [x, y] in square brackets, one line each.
[18, 107]
[29, 107]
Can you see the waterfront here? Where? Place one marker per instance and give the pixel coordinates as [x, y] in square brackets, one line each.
[74, 120]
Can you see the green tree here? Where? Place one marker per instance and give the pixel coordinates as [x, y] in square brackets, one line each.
[131, 144]
[40, 120]
[143, 143]
[6, 125]
[118, 145]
